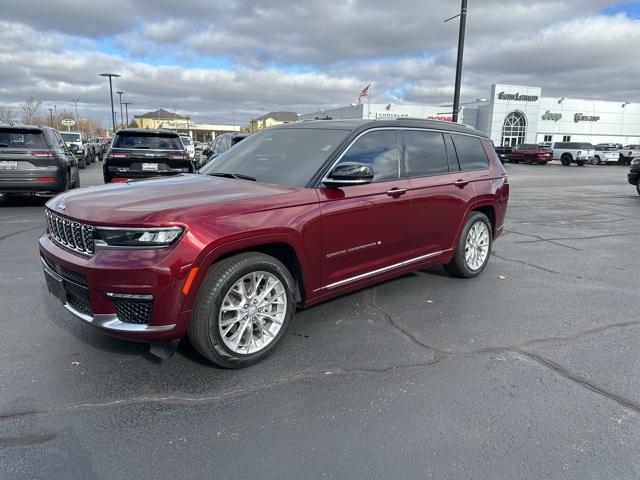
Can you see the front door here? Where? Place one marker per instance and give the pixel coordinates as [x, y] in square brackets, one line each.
[365, 227]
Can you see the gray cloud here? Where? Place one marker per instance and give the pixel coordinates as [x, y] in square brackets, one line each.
[335, 49]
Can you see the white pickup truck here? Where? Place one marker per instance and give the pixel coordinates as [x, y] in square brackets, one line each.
[628, 153]
[573, 152]
[605, 154]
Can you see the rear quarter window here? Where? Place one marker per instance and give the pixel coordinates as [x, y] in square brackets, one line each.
[471, 154]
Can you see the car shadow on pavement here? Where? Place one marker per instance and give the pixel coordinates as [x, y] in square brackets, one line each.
[24, 200]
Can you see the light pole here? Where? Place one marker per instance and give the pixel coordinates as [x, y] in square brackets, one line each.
[126, 110]
[175, 116]
[75, 101]
[461, 31]
[113, 113]
[51, 116]
[120, 92]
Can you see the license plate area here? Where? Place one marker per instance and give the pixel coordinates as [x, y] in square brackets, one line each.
[149, 167]
[55, 285]
[8, 165]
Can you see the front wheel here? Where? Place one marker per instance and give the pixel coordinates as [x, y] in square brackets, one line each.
[474, 247]
[243, 309]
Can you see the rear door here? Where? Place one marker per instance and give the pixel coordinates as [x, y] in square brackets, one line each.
[440, 191]
[366, 227]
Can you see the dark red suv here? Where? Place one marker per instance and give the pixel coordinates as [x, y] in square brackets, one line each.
[292, 216]
[531, 153]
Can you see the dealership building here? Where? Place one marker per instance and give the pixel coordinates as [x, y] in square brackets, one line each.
[514, 114]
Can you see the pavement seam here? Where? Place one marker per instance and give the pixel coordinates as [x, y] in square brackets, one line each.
[548, 270]
[583, 382]
[4, 237]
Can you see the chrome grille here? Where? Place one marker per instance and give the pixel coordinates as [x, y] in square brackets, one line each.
[74, 235]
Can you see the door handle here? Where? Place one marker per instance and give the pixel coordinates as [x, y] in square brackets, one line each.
[396, 192]
[461, 183]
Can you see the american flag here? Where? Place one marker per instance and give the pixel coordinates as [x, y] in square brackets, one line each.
[364, 93]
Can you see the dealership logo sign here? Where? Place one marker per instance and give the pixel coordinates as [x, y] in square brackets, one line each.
[579, 117]
[553, 116]
[517, 97]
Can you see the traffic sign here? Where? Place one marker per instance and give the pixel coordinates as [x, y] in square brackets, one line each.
[68, 122]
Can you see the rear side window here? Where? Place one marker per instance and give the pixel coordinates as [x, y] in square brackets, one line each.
[150, 141]
[471, 155]
[378, 149]
[425, 153]
[22, 138]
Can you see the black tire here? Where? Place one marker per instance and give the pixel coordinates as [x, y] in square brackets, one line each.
[638, 187]
[82, 163]
[76, 184]
[203, 328]
[580, 163]
[595, 160]
[565, 159]
[458, 266]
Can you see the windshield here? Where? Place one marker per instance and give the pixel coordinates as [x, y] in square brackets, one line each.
[70, 137]
[186, 140]
[21, 138]
[285, 156]
[151, 141]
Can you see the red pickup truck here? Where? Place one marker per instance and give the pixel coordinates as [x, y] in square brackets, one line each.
[292, 216]
[531, 153]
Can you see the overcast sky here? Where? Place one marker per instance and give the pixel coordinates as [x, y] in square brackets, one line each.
[214, 57]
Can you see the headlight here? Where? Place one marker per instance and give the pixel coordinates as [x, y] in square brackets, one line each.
[136, 237]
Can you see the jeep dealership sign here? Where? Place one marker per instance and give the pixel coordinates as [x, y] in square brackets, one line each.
[553, 116]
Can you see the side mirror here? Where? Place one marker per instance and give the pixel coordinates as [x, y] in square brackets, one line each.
[73, 147]
[349, 173]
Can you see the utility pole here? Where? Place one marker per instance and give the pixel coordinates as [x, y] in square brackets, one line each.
[461, 33]
[119, 92]
[126, 111]
[113, 113]
[51, 116]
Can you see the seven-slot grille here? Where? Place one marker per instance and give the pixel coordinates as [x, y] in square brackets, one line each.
[74, 235]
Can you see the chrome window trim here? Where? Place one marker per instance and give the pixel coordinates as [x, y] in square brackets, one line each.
[426, 129]
[382, 270]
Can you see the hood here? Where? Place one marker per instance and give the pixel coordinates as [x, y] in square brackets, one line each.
[173, 200]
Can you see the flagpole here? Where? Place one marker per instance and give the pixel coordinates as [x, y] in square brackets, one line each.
[369, 102]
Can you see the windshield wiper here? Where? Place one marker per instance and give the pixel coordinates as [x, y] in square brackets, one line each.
[232, 175]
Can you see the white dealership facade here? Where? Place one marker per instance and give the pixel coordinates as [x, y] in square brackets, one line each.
[515, 114]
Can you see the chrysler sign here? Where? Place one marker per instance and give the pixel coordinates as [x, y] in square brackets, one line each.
[579, 117]
[517, 97]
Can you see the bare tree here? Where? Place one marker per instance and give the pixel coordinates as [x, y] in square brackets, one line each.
[30, 110]
[7, 115]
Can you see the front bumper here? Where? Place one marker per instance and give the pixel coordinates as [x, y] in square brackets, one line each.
[82, 283]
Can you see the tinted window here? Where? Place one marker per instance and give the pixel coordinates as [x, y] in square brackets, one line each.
[425, 153]
[22, 138]
[157, 141]
[470, 152]
[71, 137]
[378, 149]
[284, 156]
[186, 140]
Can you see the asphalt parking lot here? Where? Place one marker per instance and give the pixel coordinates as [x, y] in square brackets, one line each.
[529, 371]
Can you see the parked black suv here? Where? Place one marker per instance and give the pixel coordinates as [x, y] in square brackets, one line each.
[634, 174]
[35, 159]
[137, 153]
[222, 143]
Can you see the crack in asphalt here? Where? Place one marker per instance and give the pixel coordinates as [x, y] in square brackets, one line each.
[583, 382]
[592, 237]
[521, 262]
[4, 237]
[541, 239]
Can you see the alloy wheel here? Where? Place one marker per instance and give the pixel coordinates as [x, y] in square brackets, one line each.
[476, 248]
[252, 312]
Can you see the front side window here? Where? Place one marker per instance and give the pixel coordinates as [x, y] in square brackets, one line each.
[282, 156]
[471, 154]
[378, 149]
[425, 153]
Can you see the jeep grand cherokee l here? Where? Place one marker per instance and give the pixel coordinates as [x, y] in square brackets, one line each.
[531, 153]
[293, 215]
[35, 159]
[137, 153]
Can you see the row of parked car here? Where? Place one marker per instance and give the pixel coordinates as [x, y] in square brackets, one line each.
[568, 153]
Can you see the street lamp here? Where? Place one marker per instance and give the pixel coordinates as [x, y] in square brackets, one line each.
[75, 101]
[119, 92]
[456, 91]
[113, 113]
[126, 110]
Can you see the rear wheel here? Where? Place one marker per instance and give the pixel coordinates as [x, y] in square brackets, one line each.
[243, 309]
[473, 249]
[82, 163]
[595, 160]
[565, 159]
